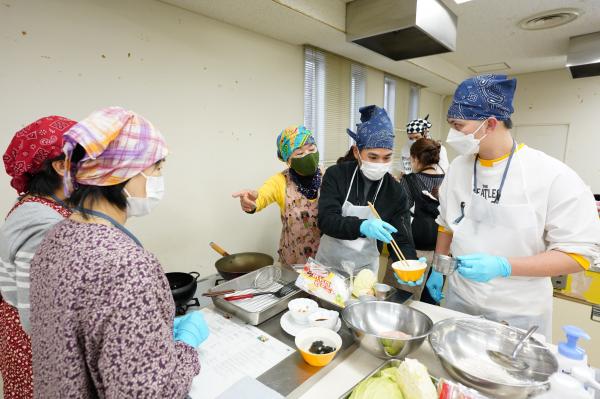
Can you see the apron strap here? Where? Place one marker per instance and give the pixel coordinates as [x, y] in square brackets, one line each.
[351, 182]
[113, 222]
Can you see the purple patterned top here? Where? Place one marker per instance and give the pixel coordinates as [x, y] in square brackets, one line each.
[102, 319]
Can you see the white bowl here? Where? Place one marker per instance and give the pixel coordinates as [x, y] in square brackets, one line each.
[300, 308]
[324, 318]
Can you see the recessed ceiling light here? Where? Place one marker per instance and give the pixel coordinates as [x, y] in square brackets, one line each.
[461, 1]
[499, 66]
[550, 19]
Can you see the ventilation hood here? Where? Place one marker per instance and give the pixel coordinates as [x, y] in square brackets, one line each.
[401, 29]
[583, 57]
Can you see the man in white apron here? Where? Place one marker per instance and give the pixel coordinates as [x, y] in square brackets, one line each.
[513, 216]
[350, 231]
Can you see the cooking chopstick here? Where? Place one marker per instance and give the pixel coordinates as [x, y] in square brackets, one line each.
[395, 246]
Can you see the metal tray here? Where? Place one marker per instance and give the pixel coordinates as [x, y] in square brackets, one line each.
[256, 310]
[385, 365]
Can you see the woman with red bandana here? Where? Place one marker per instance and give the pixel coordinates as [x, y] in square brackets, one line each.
[35, 162]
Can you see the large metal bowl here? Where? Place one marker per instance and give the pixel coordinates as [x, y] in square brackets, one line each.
[462, 345]
[371, 322]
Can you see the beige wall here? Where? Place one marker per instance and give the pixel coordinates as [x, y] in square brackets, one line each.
[374, 94]
[219, 94]
[553, 97]
[432, 103]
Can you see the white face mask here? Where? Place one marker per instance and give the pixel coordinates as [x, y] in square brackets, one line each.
[155, 191]
[375, 170]
[464, 144]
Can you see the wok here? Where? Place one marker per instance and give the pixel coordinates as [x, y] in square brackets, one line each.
[183, 286]
[231, 266]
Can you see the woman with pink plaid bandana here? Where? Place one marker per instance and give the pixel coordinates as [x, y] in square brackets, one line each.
[102, 314]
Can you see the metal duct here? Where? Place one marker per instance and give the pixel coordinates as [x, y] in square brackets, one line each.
[401, 29]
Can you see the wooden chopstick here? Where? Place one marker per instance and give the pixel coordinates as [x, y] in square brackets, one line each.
[395, 246]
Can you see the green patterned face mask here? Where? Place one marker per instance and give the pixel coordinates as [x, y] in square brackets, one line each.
[307, 165]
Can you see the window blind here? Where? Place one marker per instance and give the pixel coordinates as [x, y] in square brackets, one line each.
[334, 90]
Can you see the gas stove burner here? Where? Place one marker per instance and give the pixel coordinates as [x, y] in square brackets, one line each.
[182, 309]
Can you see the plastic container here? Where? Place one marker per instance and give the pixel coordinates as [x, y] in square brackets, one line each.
[563, 386]
[569, 354]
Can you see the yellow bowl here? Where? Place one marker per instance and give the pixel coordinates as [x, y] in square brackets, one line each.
[413, 272]
[305, 339]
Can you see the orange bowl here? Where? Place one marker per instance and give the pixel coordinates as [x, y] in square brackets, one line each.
[412, 272]
[305, 339]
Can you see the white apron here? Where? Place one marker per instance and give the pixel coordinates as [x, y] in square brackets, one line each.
[502, 230]
[362, 252]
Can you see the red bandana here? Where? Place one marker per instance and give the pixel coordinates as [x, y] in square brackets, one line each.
[31, 146]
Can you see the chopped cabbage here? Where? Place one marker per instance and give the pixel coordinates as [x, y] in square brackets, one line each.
[414, 380]
[383, 385]
[364, 282]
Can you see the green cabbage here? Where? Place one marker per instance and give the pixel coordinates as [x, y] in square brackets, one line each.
[409, 381]
[364, 281]
[414, 380]
[383, 385]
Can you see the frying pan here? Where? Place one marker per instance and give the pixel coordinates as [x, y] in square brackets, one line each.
[231, 266]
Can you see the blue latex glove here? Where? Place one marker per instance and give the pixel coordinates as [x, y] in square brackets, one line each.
[191, 329]
[482, 267]
[412, 283]
[434, 285]
[377, 229]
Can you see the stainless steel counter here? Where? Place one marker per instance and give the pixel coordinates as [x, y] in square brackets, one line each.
[292, 377]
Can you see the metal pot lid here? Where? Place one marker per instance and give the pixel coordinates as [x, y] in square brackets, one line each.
[464, 343]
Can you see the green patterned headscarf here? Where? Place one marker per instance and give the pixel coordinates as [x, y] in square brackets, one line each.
[292, 138]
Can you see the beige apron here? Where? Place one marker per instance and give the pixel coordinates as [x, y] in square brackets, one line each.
[300, 234]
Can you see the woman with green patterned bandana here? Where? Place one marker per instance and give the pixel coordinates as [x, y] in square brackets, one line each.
[296, 191]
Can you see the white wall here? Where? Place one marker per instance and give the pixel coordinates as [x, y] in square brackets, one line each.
[553, 97]
[220, 95]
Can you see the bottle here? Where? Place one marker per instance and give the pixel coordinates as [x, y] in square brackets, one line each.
[563, 386]
[569, 354]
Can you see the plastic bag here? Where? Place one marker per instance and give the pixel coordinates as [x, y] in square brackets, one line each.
[321, 281]
[453, 390]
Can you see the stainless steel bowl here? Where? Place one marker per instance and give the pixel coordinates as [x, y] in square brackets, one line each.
[444, 264]
[372, 322]
[461, 344]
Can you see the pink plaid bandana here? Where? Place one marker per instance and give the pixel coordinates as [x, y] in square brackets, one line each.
[118, 143]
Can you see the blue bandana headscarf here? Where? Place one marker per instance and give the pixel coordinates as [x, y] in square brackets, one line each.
[376, 129]
[482, 97]
[292, 138]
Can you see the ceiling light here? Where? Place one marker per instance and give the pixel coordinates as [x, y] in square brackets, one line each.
[549, 19]
[499, 66]
[461, 1]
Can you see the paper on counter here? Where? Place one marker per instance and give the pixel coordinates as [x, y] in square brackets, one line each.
[233, 351]
[249, 388]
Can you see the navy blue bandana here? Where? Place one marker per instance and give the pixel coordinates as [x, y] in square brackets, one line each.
[307, 185]
[482, 97]
[376, 129]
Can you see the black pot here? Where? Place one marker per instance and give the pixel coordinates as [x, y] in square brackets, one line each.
[183, 286]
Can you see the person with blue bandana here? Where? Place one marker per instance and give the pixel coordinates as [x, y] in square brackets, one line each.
[350, 231]
[513, 216]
